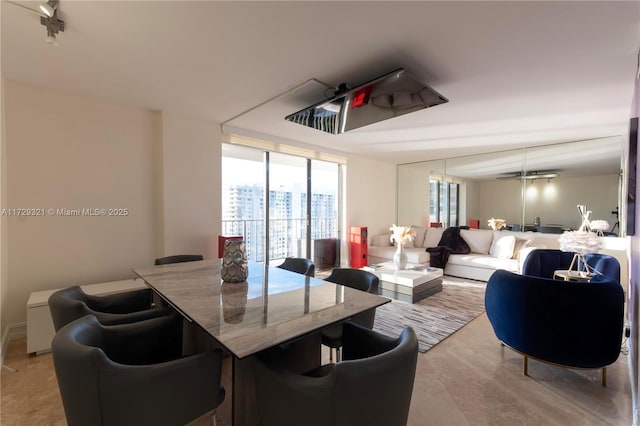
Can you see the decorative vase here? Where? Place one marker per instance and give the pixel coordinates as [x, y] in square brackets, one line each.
[234, 301]
[234, 262]
[400, 257]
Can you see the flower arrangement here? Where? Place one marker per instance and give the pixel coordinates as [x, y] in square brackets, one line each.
[401, 234]
[496, 224]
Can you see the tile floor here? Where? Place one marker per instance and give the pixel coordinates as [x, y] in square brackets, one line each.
[468, 379]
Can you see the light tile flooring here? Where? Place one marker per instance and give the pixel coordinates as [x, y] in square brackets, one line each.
[468, 379]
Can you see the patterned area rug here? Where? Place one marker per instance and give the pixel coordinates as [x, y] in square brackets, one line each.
[436, 317]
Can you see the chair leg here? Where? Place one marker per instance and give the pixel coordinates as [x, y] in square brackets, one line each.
[603, 377]
[214, 419]
[525, 365]
[338, 355]
[331, 355]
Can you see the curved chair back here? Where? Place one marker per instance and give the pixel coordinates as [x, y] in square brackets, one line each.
[544, 262]
[71, 303]
[567, 323]
[604, 264]
[360, 280]
[179, 258]
[299, 265]
[133, 374]
[375, 368]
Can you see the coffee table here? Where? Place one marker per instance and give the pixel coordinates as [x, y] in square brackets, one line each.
[408, 285]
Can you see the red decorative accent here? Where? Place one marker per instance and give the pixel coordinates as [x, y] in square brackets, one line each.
[359, 246]
[222, 239]
[435, 224]
[474, 223]
[361, 97]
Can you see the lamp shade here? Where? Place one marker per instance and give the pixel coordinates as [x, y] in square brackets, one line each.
[580, 242]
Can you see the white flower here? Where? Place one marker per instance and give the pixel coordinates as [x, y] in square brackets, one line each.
[401, 234]
[496, 224]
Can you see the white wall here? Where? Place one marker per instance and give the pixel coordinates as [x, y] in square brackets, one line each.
[192, 186]
[67, 151]
[3, 225]
[371, 197]
[71, 152]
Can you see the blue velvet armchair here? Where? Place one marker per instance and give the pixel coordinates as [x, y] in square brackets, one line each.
[573, 324]
[543, 262]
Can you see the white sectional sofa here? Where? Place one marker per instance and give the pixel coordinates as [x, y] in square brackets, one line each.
[490, 250]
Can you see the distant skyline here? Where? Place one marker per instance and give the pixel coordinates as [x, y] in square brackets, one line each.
[237, 171]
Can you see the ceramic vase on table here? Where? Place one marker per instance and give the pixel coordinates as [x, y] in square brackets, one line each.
[400, 257]
[234, 262]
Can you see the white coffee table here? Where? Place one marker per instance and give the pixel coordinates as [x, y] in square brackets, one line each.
[408, 285]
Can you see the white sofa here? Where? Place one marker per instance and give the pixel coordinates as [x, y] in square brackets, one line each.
[490, 250]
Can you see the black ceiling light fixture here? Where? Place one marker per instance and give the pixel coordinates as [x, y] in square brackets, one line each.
[391, 95]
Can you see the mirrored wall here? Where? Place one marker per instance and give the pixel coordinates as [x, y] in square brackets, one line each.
[535, 188]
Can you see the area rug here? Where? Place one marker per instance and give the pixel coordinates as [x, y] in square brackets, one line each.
[436, 317]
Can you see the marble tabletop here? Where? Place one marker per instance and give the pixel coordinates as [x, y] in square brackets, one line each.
[273, 306]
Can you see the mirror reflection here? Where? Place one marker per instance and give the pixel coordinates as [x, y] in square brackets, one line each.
[532, 189]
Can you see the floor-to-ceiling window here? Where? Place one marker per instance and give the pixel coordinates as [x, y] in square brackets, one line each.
[443, 203]
[295, 219]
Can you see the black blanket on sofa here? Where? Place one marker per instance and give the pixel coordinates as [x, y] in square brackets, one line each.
[451, 242]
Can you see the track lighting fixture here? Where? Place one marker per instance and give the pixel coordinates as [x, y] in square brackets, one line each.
[49, 7]
[51, 21]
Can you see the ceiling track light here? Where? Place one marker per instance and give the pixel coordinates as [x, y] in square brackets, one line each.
[49, 7]
[53, 24]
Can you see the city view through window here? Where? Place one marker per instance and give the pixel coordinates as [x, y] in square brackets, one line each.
[243, 183]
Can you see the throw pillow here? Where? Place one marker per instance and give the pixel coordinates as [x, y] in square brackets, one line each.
[381, 240]
[432, 237]
[519, 245]
[502, 246]
[420, 233]
[479, 240]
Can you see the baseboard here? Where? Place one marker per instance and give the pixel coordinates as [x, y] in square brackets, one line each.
[12, 332]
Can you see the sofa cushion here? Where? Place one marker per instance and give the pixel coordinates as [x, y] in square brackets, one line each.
[479, 240]
[502, 246]
[519, 245]
[420, 233]
[483, 262]
[432, 237]
[382, 240]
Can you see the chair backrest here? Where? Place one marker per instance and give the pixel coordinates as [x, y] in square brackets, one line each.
[604, 264]
[105, 378]
[299, 265]
[569, 323]
[71, 303]
[374, 368]
[67, 305]
[360, 280]
[179, 258]
[543, 262]
[355, 278]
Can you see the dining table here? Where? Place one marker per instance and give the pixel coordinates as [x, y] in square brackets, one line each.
[272, 308]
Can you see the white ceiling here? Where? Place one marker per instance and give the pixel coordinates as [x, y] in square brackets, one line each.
[515, 73]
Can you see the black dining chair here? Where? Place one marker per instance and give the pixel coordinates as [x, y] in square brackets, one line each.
[179, 258]
[372, 385]
[133, 374]
[299, 265]
[359, 280]
[71, 303]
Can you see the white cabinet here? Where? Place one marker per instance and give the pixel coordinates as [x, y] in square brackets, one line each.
[40, 329]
